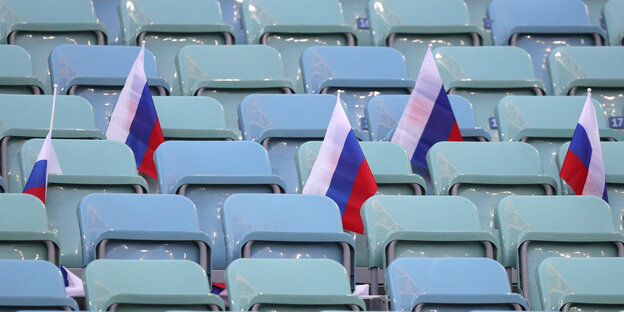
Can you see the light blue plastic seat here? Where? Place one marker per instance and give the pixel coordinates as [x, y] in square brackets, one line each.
[613, 19]
[107, 13]
[533, 228]
[229, 73]
[289, 285]
[98, 73]
[40, 26]
[361, 72]
[16, 72]
[546, 123]
[168, 229]
[477, 9]
[28, 116]
[423, 226]
[595, 8]
[449, 284]
[231, 15]
[540, 26]
[24, 232]
[355, 13]
[292, 226]
[411, 26]
[487, 172]
[209, 172]
[32, 284]
[576, 284]
[484, 75]
[281, 123]
[166, 26]
[293, 26]
[89, 166]
[384, 112]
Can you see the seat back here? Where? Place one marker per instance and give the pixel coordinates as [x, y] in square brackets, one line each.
[209, 172]
[281, 123]
[289, 284]
[613, 20]
[358, 72]
[167, 26]
[533, 228]
[51, 24]
[291, 27]
[24, 232]
[484, 75]
[88, 166]
[595, 8]
[98, 73]
[590, 283]
[229, 73]
[27, 116]
[477, 10]
[355, 13]
[107, 13]
[16, 72]
[147, 285]
[32, 284]
[440, 284]
[231, 15]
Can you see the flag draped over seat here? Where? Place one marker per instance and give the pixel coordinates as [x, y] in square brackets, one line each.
[428, 117]
[583, 168]
[134, 120]
[341, 172]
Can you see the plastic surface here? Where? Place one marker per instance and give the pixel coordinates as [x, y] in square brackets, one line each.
[613, 18]
[16, 69]
[187, 118]
[108, 14]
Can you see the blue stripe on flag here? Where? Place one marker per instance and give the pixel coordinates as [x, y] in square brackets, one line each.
[349, 164]
[580, 145]
[438, 128]
[142, 125]
[37, 176]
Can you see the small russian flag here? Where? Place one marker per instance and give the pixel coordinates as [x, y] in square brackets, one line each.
[47, 162]
[582, 167]
[428, 117]
[341, 172]
[134, 120]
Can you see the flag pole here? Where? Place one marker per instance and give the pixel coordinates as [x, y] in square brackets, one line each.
[53, 108]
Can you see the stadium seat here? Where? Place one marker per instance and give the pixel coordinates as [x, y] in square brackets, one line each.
[24, 232]
[613, 18]
[546, 123]
[361, 72]
[595, 8]
[487, 172]
[539, 26]
[384, 112]
[209, 172]
[231, 15]
[98, 73]
[89, 166]
[574, 69]
[281, 123]
[169, 228]
[166, 26]
[28, 116]
[291, 27]
[192, 118]
[148, 285]
[40, 26]
[289, 285]
[107, 13]
[31, 285]
[477, 9]
[484, 75]
[423, 226]
[533, 228]
[355, 13]
[449, 284]
[581, 284]
[292, 226]
[16, 72]
[411, 26]
[229, 73]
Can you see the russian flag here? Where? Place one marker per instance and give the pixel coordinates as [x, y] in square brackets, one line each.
[582, 167]
[341, 172]
[134, 120]
[428, 117]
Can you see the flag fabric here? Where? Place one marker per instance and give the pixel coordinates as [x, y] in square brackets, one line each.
[428, 117]
[46, 163]
[134, 120]
[582, 167]
[341, 172]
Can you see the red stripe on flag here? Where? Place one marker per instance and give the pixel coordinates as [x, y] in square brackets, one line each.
[455, 133]
[364, 187]
[574, 172]
[147, 164]
[39, 192]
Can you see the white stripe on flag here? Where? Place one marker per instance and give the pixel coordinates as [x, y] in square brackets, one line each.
[595, 183]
